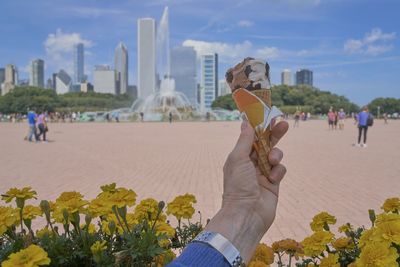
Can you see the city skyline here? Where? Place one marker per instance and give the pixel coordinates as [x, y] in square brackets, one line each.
[351, 59]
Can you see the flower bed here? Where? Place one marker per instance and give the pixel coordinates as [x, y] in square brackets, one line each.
[111, 230]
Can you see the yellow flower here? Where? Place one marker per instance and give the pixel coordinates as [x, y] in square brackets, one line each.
[388, 232]
[391, 205]
[387, 218]
[257, 264]
[30, 212]
[67, 196]
[345, 228]
[22, 194]
[182, 206]
[343, 243]
[111, 188]
[287, 245]
[264, 254]
[367, 236]
[320, 220]
[72, 202]
[165, 228]
[316, 243]
[32, 256]
[131, 219]
[44, 232]
[8, 217]
[99, 206]
[377, 255]
[148, 209]
[98, 247]
[71, 206]
[121, 198]
[330, 261]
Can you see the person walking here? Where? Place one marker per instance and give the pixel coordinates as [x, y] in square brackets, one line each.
[32, 126]
[42, 126]
[363, 121]
[342, 116]
[331, 119]
[170, 117]
[385, 118]
[296, 118]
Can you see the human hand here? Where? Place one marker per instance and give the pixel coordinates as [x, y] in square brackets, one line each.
[249, 198]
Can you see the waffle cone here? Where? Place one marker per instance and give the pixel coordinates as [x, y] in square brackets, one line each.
[263, 145]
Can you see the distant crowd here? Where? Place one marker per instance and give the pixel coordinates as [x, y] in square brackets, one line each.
[50, 116]
[363, 120]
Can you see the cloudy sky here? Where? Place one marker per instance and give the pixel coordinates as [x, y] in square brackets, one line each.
[351, 45]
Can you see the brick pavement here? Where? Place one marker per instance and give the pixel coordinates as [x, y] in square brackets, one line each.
[161, 160]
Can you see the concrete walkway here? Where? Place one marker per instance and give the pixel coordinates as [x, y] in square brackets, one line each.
[162, 160]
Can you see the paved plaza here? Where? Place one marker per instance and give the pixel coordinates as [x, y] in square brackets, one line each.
[162, 160]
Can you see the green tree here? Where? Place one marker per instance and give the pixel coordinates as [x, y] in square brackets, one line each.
[21, 99]
[305, 98]
[225, 102]
[387, 105]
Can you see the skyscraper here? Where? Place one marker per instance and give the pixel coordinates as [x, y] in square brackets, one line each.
[36, 75]
[104, 79]
[286, 77]
[79, 63]
[63, 82]
[183, 71]
[9, 79]
[223, 88]
[209, 80]
[146, 57]
[2, 75]
[305, 77]
[121, 68]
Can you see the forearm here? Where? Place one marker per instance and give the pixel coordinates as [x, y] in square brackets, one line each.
[241, 226]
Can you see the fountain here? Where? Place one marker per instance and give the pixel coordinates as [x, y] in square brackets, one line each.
[166, 101]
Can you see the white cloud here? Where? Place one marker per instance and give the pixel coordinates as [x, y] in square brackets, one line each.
[59, 47]
[374, 43]
[376, 34]
[232, 52]
[245, 23]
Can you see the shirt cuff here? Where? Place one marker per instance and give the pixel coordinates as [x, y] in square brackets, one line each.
[200, 255]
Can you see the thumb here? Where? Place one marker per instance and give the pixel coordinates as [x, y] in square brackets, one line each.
[245, 142]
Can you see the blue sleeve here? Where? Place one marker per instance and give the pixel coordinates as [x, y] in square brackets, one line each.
[200, 255]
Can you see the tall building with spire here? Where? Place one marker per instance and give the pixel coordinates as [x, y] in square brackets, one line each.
[146, 57]
[121, 68]
[79, 63]
[36, 74]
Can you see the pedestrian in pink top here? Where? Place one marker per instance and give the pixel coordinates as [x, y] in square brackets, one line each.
[42, 126]
[331, 119]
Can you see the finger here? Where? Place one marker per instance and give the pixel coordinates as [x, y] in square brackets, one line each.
[278, 131]
[277, 174]
[245, 142]
[254, 157]
[275, 156]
